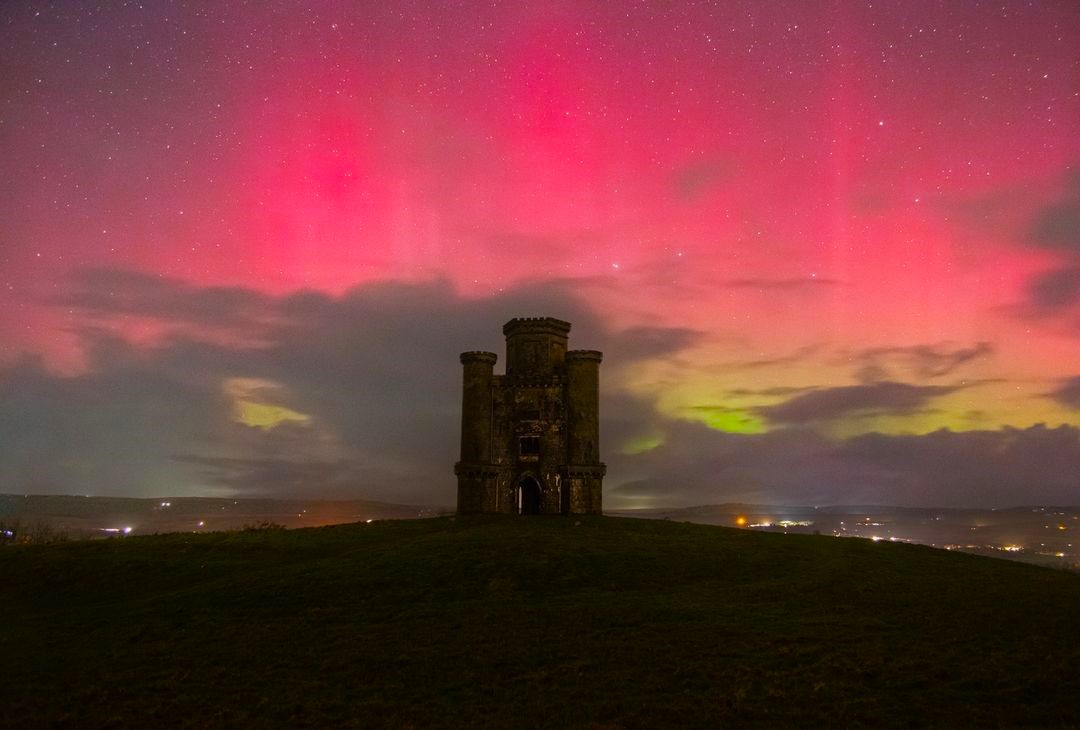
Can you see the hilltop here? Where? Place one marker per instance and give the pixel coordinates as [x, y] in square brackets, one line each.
[531, 622]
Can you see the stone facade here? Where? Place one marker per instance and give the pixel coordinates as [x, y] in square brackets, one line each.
[530, 439]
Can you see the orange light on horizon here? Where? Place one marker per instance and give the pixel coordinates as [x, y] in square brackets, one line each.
[740, 521]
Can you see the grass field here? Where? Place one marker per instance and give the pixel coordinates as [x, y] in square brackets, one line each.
[531, 622]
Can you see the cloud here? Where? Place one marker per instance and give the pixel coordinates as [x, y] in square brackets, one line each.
[104, 432]
[112, 292]
[989, 468]
[1068, 393]
[923, 361]
[1043, 217]
[850, 400]
[1057, 226]
[800, 355]
[774, 391]
[375, 375]
[336, 479]
[1055, 290]
[698, 465]
[1037, 465]
[352, 395]
[642, 343]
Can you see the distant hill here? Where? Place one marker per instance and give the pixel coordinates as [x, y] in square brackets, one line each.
[1042, 535]
[83, 517]
[736, 508]
[531, 622]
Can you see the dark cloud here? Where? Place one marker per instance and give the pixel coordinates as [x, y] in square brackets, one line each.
[640, 343]
[974, 467]
[779, 390]
[1068, 393]
[698, 465]
[870, 373]
[111, 292]
[1055, 290]
[924, 361]
[976, 416]
[798, 356]
[374, 371]
[104, 432]
[625, 419]
[1057, 226]
[399, 314]
[336, 479]
[794, 466]
[829, 404]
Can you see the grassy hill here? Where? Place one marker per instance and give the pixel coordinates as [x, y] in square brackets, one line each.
[523, 622]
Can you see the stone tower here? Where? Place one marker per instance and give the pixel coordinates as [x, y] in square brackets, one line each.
[530, 439]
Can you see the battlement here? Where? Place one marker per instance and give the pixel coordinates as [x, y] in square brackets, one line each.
[478, 356]
[537, 326]
[585, 355]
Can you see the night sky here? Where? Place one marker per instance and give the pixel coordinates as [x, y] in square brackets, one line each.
[831, 250]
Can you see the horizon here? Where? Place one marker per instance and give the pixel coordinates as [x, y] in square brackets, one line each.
[831, 254]
[658, 508]
[1040, 535]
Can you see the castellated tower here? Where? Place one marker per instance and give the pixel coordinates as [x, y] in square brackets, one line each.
[530, 439]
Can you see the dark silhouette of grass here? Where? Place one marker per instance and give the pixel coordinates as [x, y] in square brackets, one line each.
[531, 622]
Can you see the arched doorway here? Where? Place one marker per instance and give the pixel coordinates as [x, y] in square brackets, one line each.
[528, 496]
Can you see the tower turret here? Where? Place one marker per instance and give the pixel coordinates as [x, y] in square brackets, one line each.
[476, 474]
[583, 406]
[535, 346]
[584, 472]
[476, 406]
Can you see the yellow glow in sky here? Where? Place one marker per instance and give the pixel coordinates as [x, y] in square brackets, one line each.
[255, 403]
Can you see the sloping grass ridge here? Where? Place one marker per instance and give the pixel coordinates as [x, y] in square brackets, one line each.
[531, 622]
